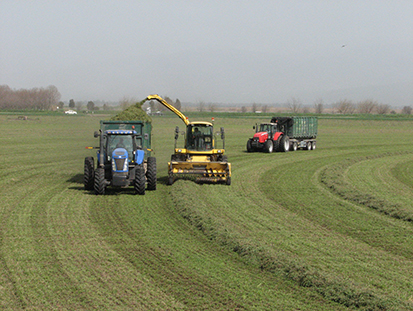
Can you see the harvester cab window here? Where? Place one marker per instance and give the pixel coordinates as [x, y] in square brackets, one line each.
[199, 137]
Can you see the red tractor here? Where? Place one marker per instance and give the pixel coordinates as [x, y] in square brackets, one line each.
[283, 133]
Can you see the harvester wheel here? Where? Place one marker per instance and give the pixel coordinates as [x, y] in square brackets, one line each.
[249, 146]
[151, 173]
[228, 181]
[100, 183]
[140, 180]
[269, 146]
[285, 144]
[170, 180]
[89, 176]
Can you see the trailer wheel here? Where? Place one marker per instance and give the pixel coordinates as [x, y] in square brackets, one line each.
[285, 143]
[151, 173]
[269, 146]
[295, 146]
[100, 182]
[249, 146]
[309, 145]
[140, 180]
[89, 176]
[313, 145]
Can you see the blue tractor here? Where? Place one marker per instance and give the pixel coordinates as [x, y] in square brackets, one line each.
[122, 158]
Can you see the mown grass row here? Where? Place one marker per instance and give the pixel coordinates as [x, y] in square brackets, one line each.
[333, 177]
[281, 265]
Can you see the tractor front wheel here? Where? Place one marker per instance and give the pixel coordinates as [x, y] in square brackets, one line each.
[249, 146]
[140, 180]
[269, 146]
[100, 182]
[151, 173]
[88, 178]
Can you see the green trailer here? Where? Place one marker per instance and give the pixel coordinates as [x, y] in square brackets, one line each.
[284, 134]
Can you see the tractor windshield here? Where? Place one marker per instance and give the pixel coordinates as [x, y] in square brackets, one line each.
[265, 128]
[120, 141]
[199, 137]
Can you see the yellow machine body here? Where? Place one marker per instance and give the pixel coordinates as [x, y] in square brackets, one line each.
[200, 157]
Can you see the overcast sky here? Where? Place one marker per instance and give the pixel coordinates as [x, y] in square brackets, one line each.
[212, 51]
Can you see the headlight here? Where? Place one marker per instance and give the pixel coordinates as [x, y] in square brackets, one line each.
[113, 165]
[219, 151]
[125, 166]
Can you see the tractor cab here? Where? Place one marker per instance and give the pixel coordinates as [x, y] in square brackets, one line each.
[269, 128]
[121, 148]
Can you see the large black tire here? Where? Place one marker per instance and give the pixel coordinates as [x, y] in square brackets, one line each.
[100, 182]
[313, 146]
[269, 146]
[309, 145]
[89, 176]
[151, 173]
[249, 146]
[228, 181]
[294, 146]
[284, 144]
[170, 180]
[140, 180]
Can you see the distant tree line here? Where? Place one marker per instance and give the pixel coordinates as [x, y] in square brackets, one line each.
[30, 99]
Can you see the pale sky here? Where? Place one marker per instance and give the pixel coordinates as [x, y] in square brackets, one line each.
[211, 51]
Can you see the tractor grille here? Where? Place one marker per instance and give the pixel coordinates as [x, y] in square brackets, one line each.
[119, 164]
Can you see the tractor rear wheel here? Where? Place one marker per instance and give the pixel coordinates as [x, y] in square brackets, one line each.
[89, 176]
[140, 180]
[151, 173]
[269, 146]
[100, 182]
[284, 143]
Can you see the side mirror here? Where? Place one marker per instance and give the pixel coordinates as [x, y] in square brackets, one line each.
[177, 129]
[96, 134]
[253, 127]
[222, 133]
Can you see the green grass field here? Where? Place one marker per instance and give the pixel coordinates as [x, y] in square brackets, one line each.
[328, 229]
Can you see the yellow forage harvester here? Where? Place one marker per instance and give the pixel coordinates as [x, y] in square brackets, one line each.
[200, 156]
